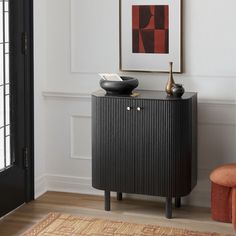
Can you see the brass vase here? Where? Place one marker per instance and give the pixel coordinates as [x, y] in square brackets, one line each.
[170, 81]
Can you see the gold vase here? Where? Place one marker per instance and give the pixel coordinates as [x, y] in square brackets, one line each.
[170, 81]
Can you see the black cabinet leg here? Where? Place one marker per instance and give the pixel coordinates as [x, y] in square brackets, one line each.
[107, 201]
[119, 196]
[168, 207]
[177, 202]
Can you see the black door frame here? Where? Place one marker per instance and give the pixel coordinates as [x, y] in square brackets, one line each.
[17, 178]
[29, 98]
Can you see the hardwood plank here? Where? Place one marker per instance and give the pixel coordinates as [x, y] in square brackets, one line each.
[137, 211]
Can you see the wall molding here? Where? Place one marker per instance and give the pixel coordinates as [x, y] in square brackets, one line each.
[217, 102]
[204, 123]
[87, 96]
[66, 95]
[80, 157]
[211, 112]
[72, 155]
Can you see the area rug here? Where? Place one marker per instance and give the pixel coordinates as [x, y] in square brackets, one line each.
[56, 224]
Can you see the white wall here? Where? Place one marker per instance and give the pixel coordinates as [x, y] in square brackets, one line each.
[63, 155]
[40, 75]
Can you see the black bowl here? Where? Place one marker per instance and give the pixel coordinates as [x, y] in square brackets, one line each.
[124, 87]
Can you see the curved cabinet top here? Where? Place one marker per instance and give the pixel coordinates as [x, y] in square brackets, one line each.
[147, 94]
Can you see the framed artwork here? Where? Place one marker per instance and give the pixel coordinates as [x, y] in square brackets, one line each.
[150, 35]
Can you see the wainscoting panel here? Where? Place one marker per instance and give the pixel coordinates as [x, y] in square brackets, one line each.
[217, 113]
[68, 165]
[216, 145]
[93, 33]
[80, 137]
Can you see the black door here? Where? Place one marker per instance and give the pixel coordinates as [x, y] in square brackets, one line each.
[16, 104]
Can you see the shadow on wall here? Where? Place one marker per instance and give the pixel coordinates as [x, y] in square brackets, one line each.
[216, 135]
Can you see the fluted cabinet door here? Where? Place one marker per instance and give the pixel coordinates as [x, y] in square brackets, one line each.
[113, 144]
[163, 148]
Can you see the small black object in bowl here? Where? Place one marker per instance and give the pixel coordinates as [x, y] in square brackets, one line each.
[177, 90]
[124, 87]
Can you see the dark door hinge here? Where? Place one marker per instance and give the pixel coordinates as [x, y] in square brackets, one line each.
[26, 157]
[24, 40]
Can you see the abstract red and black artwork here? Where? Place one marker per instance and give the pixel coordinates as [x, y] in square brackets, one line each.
[150, 35]
[150, 29]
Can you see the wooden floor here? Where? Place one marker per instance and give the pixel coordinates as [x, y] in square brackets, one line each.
[137, 211]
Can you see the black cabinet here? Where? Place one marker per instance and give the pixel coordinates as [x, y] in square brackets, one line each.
[144, 145]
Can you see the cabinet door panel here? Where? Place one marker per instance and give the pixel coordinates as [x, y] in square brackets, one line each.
[163, 153]
[146, 121]
[113, 144]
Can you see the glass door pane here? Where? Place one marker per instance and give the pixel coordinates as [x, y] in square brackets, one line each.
[5, 134]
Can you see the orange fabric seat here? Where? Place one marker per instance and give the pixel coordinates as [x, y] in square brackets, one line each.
[225, 175]
[223, 194]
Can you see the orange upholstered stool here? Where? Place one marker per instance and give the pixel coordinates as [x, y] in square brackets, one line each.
[223, 194]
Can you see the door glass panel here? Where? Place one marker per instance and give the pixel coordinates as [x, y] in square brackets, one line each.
[6, 5]
[1, 59]
[1, 23]
[8, 158]
[6, 26]
[6, 66]
[1, 110]
[5, 134]
[7, 118]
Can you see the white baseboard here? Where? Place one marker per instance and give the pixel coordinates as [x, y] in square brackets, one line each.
[71, 184]
[40, 186]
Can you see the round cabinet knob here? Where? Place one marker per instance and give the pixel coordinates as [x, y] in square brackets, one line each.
[128, 108]
[139, 108]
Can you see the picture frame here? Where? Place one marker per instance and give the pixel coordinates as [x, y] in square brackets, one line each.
[150, 35]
